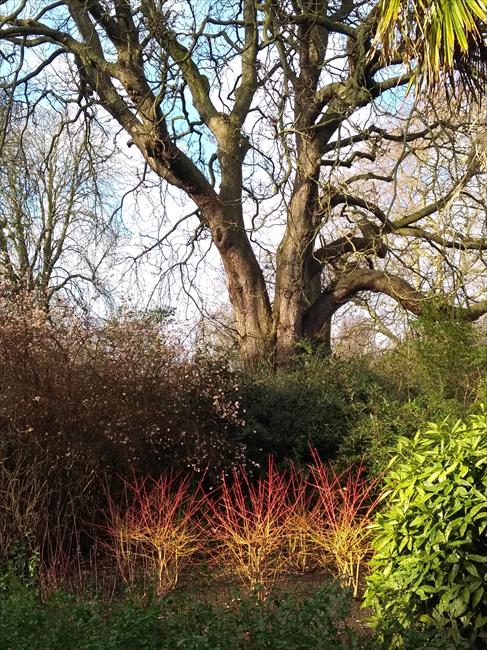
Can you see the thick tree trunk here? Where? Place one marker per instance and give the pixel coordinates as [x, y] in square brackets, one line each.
[245, 281]
[247, 292]
[296, 287]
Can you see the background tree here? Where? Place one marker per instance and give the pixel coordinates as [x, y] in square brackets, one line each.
[56, 229]
[254, 111]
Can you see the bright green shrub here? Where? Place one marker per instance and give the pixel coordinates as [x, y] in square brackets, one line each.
[430, 562]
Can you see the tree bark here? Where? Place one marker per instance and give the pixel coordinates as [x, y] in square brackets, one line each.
[246, 288]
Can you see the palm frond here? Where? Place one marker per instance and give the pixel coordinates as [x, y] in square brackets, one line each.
[436, 38]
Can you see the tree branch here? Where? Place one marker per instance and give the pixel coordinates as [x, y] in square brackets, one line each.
[435, 206]
[347, 287]
[245, 92]
[462, 244]
[342, 291]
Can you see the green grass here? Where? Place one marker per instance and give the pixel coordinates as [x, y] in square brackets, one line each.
[320, 619]
[282, 621]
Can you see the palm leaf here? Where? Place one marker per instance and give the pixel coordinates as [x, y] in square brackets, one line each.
[436, 39]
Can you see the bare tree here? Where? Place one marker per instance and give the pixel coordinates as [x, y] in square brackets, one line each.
[56, 229]
[255, 110]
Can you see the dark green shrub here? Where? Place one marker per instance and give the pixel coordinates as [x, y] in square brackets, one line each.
[384, 418]
[288, 412]
[352, 409]
[349, 410]
[438, 371]
[443, 360]
[430, 562]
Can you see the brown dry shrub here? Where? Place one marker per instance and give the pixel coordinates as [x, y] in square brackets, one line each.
[83, 400]
[112, 396]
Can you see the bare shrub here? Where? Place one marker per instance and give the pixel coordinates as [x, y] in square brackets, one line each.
[80, 400]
